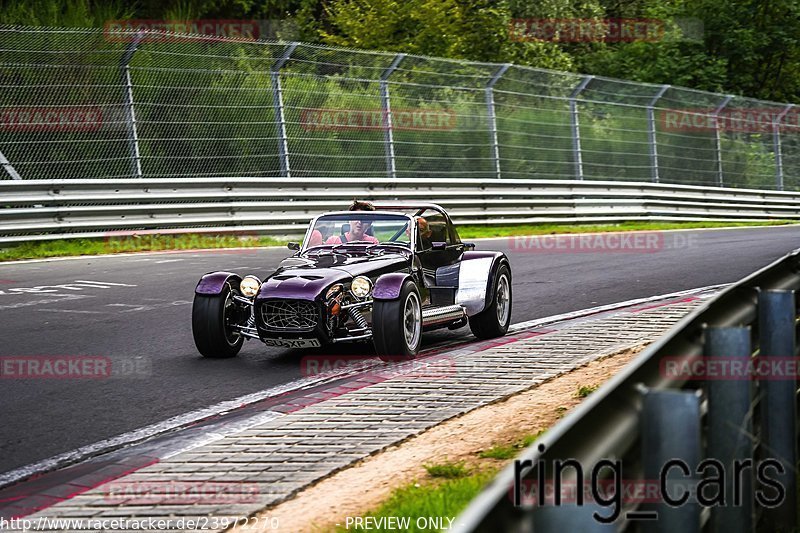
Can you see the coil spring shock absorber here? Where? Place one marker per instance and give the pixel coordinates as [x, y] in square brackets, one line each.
[358, 318]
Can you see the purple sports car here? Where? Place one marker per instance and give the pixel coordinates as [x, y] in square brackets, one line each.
[381, 276]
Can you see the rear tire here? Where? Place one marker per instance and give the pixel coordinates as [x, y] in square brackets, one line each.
[397, 325]
[493, 321]
[210, 315]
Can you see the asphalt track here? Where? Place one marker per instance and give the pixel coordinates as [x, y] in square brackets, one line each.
[137, 312]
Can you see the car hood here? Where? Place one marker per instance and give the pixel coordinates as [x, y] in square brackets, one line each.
[306, 277]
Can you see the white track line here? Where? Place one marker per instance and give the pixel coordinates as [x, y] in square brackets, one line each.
[175, 422]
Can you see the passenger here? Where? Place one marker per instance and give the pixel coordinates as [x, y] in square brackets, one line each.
[425, 233]
[315, 239]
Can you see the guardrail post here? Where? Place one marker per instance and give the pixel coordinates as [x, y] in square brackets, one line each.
[277, 104]
[490, 114]
[651, 133]
[670, 422]
[9, 167]
[718, 139]
[576, 131]
[130, 112]
[730, 429]
[776, 317]
[386, 112]
[776, 145]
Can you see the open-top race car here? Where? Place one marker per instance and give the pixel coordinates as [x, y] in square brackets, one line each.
[360, 276]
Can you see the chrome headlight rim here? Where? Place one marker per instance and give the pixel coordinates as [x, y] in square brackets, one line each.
[361, 287]
[334, 290]
[249, 286]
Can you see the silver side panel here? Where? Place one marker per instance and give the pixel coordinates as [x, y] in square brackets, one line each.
[473, 278]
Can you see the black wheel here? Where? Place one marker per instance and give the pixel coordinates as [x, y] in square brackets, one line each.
[494, 320]
[211, 316]
[397, 325]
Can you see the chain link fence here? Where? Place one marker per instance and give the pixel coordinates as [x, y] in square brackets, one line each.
[93, 103]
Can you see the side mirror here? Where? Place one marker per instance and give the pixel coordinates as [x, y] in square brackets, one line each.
[469, 245]
[293, 246]
[439, 245]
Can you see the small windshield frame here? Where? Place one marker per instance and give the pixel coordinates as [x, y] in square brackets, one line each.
[384, 226]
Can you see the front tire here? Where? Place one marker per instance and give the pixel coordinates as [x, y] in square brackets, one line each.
[397, 325]
[211, 315]
[493, 321]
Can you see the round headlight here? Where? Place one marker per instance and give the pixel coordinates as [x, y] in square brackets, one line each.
[334, 290]
[361, 287]
[249, 286]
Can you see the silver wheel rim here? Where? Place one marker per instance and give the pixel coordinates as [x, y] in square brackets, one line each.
[412, 320]
[232, 337]
[503, 299]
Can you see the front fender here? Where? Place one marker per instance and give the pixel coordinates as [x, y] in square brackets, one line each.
[213, 282]
[388, 286]
[476, 279]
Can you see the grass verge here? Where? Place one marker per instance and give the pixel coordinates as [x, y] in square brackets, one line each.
[479, 232]
[444, 493]
[176, 242]
[417, 503]
[133, 243]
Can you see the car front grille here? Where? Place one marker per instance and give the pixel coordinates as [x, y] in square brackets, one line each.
[289, 315]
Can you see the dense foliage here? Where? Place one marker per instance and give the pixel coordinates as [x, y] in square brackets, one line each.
[747, 47]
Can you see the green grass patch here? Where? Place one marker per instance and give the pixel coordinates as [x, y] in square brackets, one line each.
[133, 243]
[447, 470]
[478, 232]
[162, 242]
[510, 451]
[440, 498]
[585, 390]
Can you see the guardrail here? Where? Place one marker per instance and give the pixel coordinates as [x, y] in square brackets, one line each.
[647, 416]
[70, 208]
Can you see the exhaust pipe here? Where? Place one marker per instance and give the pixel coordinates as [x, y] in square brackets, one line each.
[441, 315]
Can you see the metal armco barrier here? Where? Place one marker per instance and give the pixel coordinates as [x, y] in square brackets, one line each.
[667, 427]
[51, 209]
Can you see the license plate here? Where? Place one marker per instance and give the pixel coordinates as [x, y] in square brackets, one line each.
[293, 343]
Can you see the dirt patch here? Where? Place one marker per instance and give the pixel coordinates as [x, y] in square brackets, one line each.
[365, 485]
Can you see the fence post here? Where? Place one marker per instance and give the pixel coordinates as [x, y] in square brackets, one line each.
[277, 104]
[776, 144]
[576, 133]
[9, 167]
[491, 115]
[386, 112]
[776, 316]
[730, 430]
[718, 140]
[130, 112]
[670, 422]
[651, 133]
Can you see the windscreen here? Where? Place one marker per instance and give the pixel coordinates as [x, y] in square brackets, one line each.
[359, 227]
